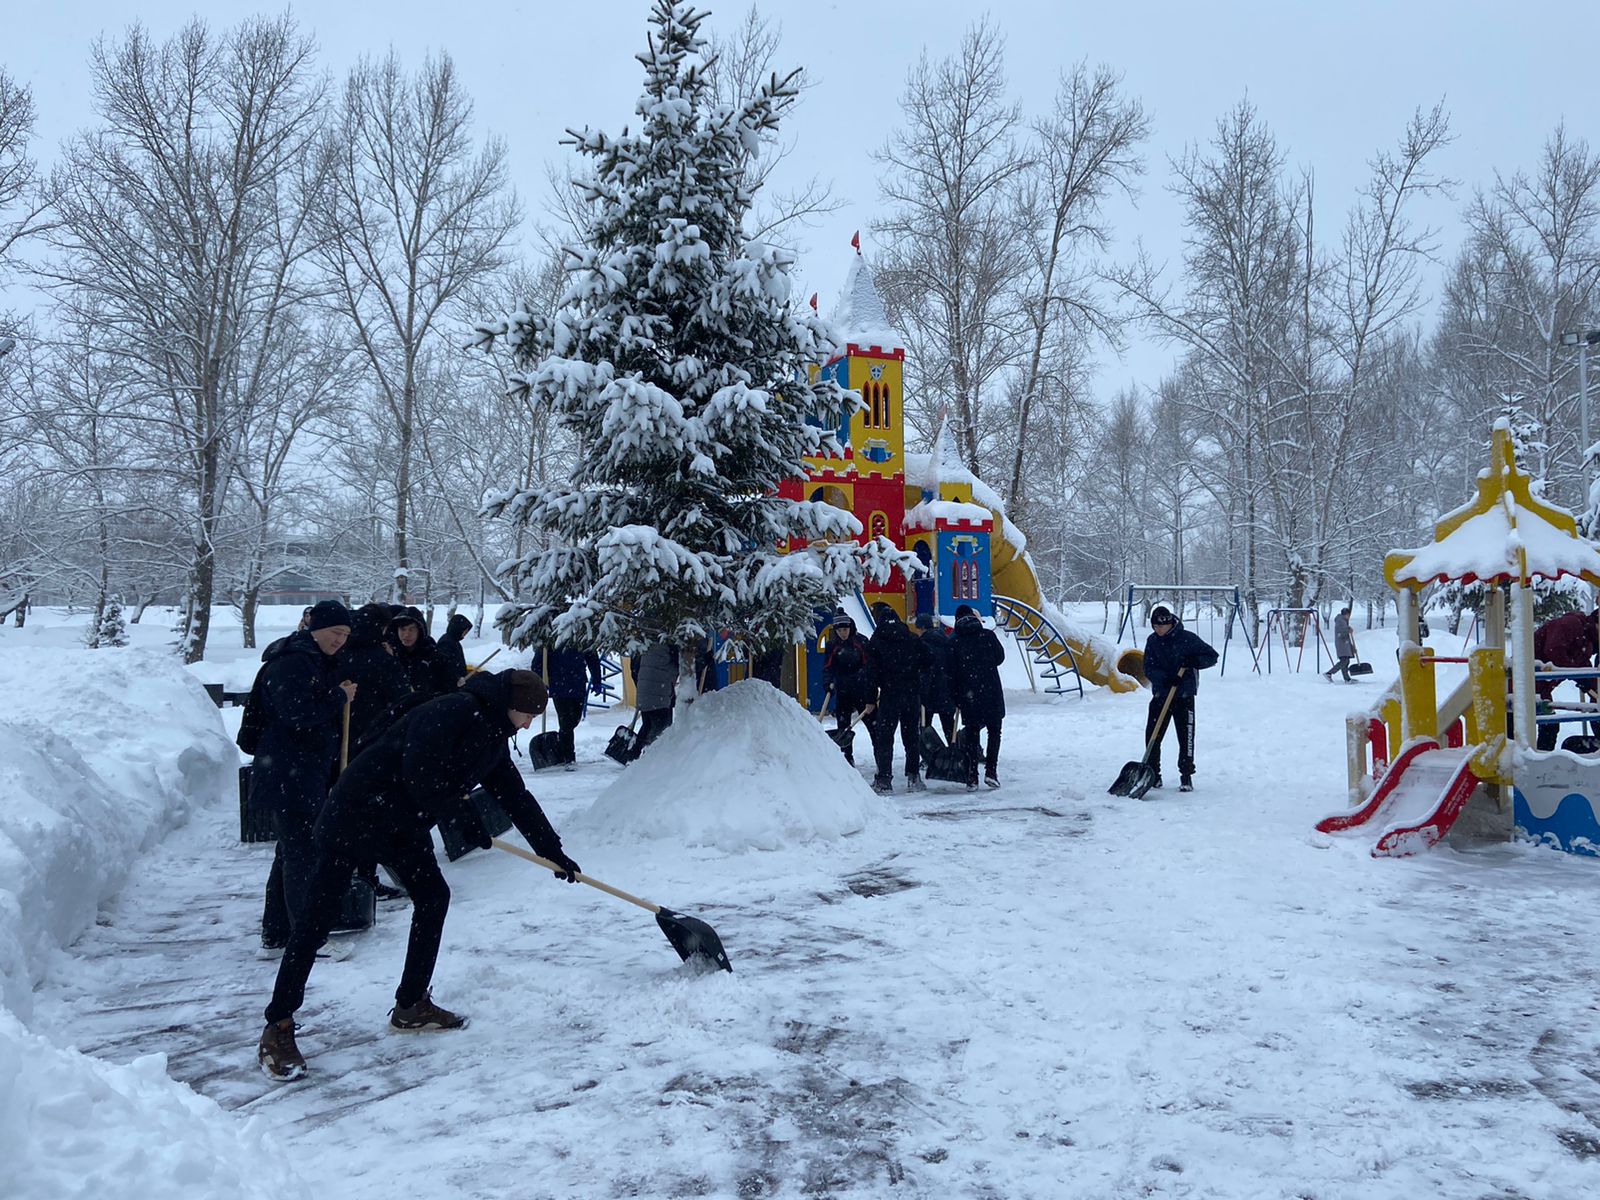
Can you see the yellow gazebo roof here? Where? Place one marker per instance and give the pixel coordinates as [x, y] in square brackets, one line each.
[1504, 533]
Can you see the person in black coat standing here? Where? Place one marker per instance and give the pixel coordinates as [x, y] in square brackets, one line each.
[303, 693]
[975, 658]
[1173, 658]
[414, 649]
[898, 660]
[449, 660]
[383, 806]
[938, 697]
[370, 663]
[571, 675]
[848, 673]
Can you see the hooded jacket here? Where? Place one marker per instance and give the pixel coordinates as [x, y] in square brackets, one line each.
[657, 679]
[1165, 656]
[898, 657]
[299, 743]
[938, 696]
[417, 662]
[848, 670]
[975, 658]
[379, 676]
[449, 660]
[420, 771]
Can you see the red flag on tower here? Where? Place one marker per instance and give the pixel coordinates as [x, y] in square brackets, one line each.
[813, 302]
[856, 241]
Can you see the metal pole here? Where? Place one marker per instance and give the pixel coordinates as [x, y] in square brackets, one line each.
[1583, 410]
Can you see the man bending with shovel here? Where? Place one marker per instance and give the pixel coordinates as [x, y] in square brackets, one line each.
[1173, 657]
[382, 808]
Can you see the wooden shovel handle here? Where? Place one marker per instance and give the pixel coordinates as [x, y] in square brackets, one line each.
[344, 739]
[1161, 721]
[582, 878]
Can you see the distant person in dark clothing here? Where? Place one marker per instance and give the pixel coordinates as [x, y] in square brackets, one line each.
[449, 660]
[370, 662]
[414, 648]
[768, 666]
[975, 658]
[1174, 657]
[938, 697]
[1344, 645]
[382, 807]
[1565, 641]
[898, 659]
[304, 692]
[655, 687]
[848, 673]
[571, 675]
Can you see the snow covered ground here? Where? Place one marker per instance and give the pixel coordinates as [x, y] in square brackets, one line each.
[1041, 991]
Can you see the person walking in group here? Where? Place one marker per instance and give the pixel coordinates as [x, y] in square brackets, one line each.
[302, 693]
[975, 658]
[938, 698]
[898, 660]
[654, 686]
[1344, 645]
[414, 775]
[449, 659]
[847, 672]
[1565, 641]
[572, 675]
[1173, 658]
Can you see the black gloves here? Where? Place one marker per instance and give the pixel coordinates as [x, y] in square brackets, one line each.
[569, 869]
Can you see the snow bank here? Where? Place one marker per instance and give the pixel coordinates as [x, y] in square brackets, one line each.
[102, 753]
[108, 751]
[73, 1126]
[744, 768]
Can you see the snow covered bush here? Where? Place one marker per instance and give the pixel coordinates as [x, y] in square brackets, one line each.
[112, 630]
[680, 361]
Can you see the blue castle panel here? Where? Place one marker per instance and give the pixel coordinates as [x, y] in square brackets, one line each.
[1574, 825]
[963, 571]
[839, 372]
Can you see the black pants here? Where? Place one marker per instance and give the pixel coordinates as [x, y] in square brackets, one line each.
[1342, 666]
[1181, 716]
[652, 722]
[345, 834]
[569, 712]
[905, 714]
[991, 749]
[946, 719]
[293, 861]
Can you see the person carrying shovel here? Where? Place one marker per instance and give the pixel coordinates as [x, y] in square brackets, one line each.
[1173, 658]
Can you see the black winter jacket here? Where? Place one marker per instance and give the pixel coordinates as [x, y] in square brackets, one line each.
[937, 694]
[572, 672]
[1165, 656]
[302, 704]
[975, 658]
[449, 660]
[416, 662]
[898, 659]
[421, 770]
[379, 676]
[848, 671]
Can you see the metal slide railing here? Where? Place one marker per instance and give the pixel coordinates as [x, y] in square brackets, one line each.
[1046, 648]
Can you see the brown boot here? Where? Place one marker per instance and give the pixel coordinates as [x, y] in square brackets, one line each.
[279, 1057]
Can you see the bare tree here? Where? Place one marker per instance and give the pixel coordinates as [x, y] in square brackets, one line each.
[169, 220]
[416, 213]
[951, 258]
[1083, 151]
[22, 205]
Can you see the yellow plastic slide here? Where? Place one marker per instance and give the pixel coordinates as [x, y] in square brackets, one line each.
[1098, 660]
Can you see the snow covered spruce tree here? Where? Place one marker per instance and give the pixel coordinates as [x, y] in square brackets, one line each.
[112, 630]
[678, 360]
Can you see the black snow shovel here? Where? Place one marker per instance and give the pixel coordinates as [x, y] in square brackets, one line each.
[620, 749]
[690, 936]
[845, 738]
[1136, 777]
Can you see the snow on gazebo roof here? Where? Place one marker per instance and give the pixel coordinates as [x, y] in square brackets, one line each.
[1504, 533]
[860, 314]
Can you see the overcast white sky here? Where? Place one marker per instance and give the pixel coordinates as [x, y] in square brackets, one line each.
[1334, 80]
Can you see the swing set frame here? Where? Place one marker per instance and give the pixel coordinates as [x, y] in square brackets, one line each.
[1232, 607]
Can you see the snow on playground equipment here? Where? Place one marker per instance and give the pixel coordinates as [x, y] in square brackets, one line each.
[1278, 621]
[1223, 597]
[1484, 782]
[932, 506]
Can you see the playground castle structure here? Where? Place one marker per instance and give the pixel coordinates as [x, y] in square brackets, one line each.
[1421, 769]
[932, 506]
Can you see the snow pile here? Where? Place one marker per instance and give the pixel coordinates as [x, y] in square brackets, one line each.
[744, 768]
[73, 1126]
[111, 750]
